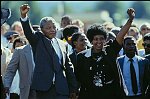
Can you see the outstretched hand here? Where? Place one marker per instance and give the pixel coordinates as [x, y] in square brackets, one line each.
[24, 10]
[6, 89]
[73, 96]
[131, 13]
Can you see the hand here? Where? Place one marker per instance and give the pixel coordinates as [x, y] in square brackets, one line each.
[24, 9]
[6, 89]
[131, 13]
[73, 96]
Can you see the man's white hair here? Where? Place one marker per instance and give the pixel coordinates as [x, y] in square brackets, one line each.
[45, 20]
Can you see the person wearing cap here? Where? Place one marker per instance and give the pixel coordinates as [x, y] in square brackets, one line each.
[10, 36]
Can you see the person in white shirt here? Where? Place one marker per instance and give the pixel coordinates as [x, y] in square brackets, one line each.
[141, 66]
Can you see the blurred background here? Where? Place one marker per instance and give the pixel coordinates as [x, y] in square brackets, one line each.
[87, 11]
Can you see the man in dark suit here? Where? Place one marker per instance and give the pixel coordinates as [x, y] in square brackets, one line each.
[53, 76]
[141, 67]
[146, 45]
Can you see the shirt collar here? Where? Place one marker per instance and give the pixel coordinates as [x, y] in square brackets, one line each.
[52, 40]
[127, 59]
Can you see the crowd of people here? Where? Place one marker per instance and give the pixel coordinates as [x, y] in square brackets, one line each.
[61, 61]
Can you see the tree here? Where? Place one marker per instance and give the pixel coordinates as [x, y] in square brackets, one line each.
[142, 9]
[115, 9]
[35, 12]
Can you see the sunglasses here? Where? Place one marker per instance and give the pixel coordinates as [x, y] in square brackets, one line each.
[144, 44]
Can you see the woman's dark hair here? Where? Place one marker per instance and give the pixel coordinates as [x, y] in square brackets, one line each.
[69, 30]
[146, 37]
[74, 38]
[96, 29]
[66, 17]
[22, 40]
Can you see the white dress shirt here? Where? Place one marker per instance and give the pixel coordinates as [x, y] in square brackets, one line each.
[57, 49]
[127, 76]
[15, 83]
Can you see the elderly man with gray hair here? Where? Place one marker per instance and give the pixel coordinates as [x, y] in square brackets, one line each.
[53, 76]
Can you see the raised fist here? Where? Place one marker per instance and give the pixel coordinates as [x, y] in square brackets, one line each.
[24, 10]
[131, 13]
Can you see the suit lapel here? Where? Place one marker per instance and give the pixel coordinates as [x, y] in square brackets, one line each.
[121, 62]
[140, 65]
[47, 46]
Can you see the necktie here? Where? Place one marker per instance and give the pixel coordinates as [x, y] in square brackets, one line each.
[133, 77]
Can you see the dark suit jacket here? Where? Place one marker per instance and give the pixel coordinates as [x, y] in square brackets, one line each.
[3, 95]
[148, 88]
[144, 71]
[148, 57]
[43, 74]
[82, 72]
[73, 57]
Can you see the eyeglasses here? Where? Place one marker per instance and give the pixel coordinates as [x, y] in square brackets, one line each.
[144, 44]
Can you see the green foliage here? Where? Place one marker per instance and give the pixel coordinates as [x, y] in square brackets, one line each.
[115, 9]
[35, 12]
[13, 5]
[67, 8]
[110, 6]
[142, 9]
